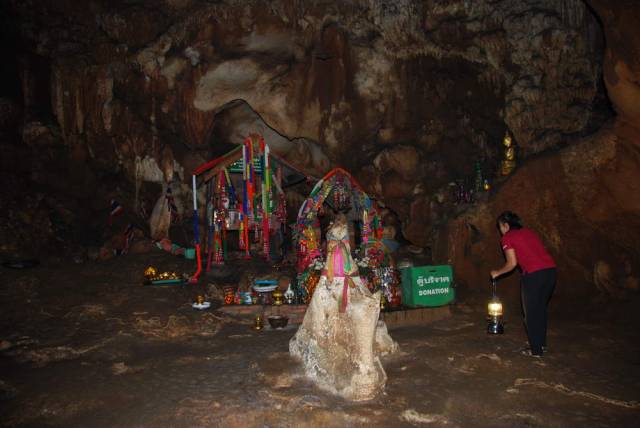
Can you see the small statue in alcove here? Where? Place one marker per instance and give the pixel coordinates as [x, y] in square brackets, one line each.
[508, 163]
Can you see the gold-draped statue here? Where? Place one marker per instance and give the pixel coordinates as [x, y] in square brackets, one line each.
[508, 163]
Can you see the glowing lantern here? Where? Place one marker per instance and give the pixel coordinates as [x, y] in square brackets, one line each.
[494, 311]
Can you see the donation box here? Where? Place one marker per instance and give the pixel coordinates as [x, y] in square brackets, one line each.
[427, 285]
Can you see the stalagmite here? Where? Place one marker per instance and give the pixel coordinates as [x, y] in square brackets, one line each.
[160, 220]
[341, 339]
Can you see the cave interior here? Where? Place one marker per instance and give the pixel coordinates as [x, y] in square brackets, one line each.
[109, 102]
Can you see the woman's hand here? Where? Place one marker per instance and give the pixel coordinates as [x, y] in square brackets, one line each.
[510, 264]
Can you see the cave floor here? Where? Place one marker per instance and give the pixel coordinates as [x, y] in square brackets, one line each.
[88, 345]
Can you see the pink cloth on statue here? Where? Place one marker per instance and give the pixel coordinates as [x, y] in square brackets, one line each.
[338, 263]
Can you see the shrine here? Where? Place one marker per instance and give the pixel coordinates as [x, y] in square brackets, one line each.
[245, 200]
[339, 193]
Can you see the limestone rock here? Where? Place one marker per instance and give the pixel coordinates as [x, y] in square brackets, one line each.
[622, 58]
[160, 220]
[238, 119]
[383, 343]
[404, 160]
[418, 225]
[340, 340]
[38, 135]
[9, 113]
[134, 25]
[603, 278]
[569, 198]
[337, 349]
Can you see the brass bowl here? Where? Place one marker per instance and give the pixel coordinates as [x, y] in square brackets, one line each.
[278, 321]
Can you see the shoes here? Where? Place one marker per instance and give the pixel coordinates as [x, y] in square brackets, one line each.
[527, 352]
[528, 348]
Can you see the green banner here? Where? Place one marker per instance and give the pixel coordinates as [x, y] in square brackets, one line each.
[236, 167]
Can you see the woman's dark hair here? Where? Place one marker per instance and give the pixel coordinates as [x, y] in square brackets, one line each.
[510, 218]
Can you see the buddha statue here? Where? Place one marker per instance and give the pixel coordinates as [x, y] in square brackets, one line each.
[508, 163]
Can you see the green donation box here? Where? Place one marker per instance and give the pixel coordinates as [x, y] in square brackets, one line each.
[427, 285]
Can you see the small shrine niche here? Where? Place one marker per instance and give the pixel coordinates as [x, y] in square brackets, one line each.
[338, 193]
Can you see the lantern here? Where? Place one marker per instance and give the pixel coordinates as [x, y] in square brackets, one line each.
[494, 312]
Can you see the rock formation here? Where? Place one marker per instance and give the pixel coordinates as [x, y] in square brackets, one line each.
[583, 199]
[421, 88]
[622, 58]
[341, 339]
[563, 197]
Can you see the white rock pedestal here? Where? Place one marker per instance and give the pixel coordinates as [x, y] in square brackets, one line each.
[340, 351]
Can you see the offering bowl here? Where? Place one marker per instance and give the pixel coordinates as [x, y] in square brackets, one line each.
[278, 321]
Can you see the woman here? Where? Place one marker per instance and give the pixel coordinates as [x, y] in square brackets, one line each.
[522, 247]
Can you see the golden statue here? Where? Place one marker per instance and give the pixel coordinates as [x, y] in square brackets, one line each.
[150, 272]
[508, 163]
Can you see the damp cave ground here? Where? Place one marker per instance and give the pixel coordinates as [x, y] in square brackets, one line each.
[88, 345]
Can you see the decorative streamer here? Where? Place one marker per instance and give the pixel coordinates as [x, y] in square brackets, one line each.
[378, 226]
[224, 241]
[265, 188]
[256, 231]
[365, 228]
[219, 260]
[247, 254]
[210, 223]
[265, 237]
[232, 190]
[267, 179]
[245, 190]
[194, 278]
[241, 242]
[252, 180]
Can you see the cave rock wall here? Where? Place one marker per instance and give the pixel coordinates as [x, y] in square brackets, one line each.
[583, 200]
[408, 94]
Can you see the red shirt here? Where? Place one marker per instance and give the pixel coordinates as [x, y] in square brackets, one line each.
[530, 252]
